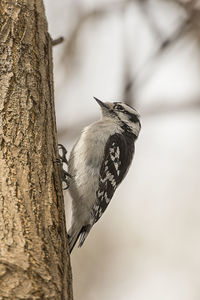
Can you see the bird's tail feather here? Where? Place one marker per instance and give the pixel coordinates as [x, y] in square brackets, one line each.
[74, 236]
[72, 241]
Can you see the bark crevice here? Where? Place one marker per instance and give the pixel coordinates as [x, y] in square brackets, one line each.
[34, 258]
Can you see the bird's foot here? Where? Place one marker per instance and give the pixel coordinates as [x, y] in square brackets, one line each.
[63, 160]
[63, 154]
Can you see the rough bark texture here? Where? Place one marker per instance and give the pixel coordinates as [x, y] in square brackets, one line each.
[34, 259]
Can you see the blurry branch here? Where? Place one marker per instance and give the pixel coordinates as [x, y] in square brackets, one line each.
[69, 52]
[168, 41]
[192, 18]
[190, 25]
[192, 9]
[163, 109]
[144, 8]
[162, 49]
[57, 41]
[128, 93]
[128, 90]
[70, 47]
[172, 109]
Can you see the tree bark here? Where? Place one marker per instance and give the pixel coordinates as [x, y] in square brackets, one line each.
[34, 256]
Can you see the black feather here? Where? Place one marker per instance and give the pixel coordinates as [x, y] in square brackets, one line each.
[118, 155]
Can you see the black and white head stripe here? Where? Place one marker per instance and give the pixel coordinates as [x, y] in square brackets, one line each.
[117, 158]
[123, 112]
[127, 110]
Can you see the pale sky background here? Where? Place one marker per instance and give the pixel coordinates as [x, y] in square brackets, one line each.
[146, 245]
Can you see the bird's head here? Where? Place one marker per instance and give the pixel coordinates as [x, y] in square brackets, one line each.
[121, 113]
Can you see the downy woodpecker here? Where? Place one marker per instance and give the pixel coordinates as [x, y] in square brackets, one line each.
[98, 163]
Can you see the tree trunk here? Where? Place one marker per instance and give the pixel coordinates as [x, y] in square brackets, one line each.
[34, 257]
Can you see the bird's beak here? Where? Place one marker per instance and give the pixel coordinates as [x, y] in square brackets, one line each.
[102, 104]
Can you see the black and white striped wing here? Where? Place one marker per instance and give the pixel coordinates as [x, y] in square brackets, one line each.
[117, 158]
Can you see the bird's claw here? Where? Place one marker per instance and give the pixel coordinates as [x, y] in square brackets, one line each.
[64, 176]
[63, 154]
[63, 160]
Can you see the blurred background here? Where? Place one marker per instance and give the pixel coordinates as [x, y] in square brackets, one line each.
[146, 53]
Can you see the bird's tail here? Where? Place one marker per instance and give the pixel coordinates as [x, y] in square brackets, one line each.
[74, 235]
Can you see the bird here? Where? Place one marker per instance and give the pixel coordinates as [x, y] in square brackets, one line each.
[98, 163]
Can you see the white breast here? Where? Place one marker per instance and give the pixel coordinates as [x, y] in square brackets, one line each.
[86, 159]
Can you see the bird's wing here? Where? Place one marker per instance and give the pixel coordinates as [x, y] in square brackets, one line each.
[117, 158]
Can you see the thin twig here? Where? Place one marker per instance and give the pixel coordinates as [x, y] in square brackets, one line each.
[57, 41]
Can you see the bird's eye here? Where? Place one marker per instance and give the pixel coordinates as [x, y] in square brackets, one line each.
[119, 107]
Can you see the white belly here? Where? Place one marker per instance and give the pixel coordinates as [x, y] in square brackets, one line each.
[85, 163]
